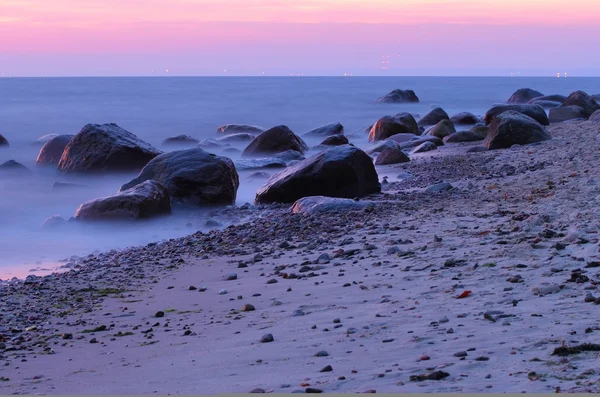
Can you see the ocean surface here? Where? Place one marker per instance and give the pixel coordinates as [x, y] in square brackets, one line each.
[158, 108]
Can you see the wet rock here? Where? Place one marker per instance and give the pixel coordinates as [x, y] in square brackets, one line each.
[433, 117]
[52, 150]
[551, 98]
[442, 129]
[388, 126]
[335, 140]
[53, 222]
[3, 141]
[180, 140]
[420, 140]
[13, 168]
[524, 95]
[320, 204]
[391, 156]
[275, 140]
[44, 138]
[465, 118]
[584, 101]
[534, 111]
[383, 145]
[463, 136]
[236, 138]
[480, 130]
[239, 129]
[565, 113]
[513, 128]
[424, 147]
[399, 96]
[326, 130]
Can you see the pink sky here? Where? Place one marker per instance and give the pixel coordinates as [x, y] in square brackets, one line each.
[199, 37]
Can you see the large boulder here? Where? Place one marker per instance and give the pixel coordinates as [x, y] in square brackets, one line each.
[335, 140]
[326, 130]
[391, 156]
[180, 140]
[596, 97]
[319, 204]
[442, 129]
[192, 177]
[11, 167]
[514, 128]
[342, 171]
[276, 140]
[534, 111]
[551, 98]
[145, 200]
[595, 117]
[105, 148]
[240, 128]
[386, 127]
[465, 118]
[3, 141]
[409, 121]
[433, 117]
[463, 136]
[524, 95]
[52, 151]
[565, 113]
[399, 96]
[583, 100]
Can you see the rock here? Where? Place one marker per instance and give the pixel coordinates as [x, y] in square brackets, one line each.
[252, 164]
[276, 140]
[44, 138]
[383, 145]
[11, 167]
[236, 138]
[545, 104]
[312, 390]
[391, 156]
[583, 100]
[387, 126]
[240, 128]
[465, 118]
[424, 147]
[211, 144]
[549, 98]
[258, 391]
[326, 130]
[477, 149]
[461, 354]
[401, 138]
[409, 121]
[159, 314]
[180, 140]
[480, 130]
[146, 200]
[439, 187]
[341, 171]
[319, 204]
[259, 175]
[420, 140]
[513, 128]
[192, 177]
[231, 277]
[267, 338]
[322, 353]
[524, 95]
[534, 111]
[433, 117]
[327, 368]
[53, 222]
[248, 308]
[3, 141]
[442, 129]
[565, 113]
[335, 140]
[52, 150]
[595, 117]
[399, 96]
[462, 136]
[105, 148]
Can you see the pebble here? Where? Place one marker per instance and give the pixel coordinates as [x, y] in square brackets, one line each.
[258, 390]
[232, 276]
[327, 368]
[322, 353]
[461, 354]
[159, 314]
[267, 338]
[248, 308]
[313, 390]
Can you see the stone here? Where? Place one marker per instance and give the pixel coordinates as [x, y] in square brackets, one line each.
[463, 136]
[319, 204]
[322, 353]
[192, 177]
[595, 117]
[391, 156]
[275, 140]
[146, 200]
[239, 128]
[267, 338]
[439, 187]
[424, 147]
[524, 95]
[442, 129]
[480, 130]
[335, 140]
[465, 118]
[341, 171]
[550, 98]
[327, 368]
[326, 130]
[180, 140]
[534, 111]
[545, 104]
[433, 117]
[383, 145]
[399, 96]
[583, 100]
[387, 126]
[13, 168]
[105, 148]
[514, 128]
[565, 113]
[3, 141]
[52, 150]
[242, 137]
[53, 222]
[413, 143]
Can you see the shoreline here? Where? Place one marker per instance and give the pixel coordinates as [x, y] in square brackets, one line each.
[376, 290]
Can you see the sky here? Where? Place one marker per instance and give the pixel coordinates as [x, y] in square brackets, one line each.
[299, 37]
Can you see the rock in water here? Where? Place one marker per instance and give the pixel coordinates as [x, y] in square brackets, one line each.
[420, 140]
[180, 140]
[326, 130]
[409, 121]
[524, 95]
[52, 151]
[391, 156]
[3, 141]
[335, 140]
[534, 111]
[11, 167]
[442, 129]
[44, 138]
[317, 204]
[192, 177]
[342, 171]
[53, 222]
[465, 118]
[549, 98]
[146, 200]
[433, 117]
[399, 96]
[276, 140]
[463, 136]
[510, 128]
[565, 113]
[545, 104]
[424, 147]
[240, 128]
[236, 138]
[382, 145]
[387, 126]
[105, 148]
[583, 100]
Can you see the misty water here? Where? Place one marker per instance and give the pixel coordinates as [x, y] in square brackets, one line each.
[158, 108]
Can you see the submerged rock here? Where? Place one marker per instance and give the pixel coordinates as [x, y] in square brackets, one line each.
[192, 177]
[524, 95]
[52, 151]
[326, 130]
[236, 138]
[341, 171]
[534, 111]
[146, 200]
[45, 138]
[105, 148]
[3, 141]
[180, 140]
[240, 128]
[510, 128]
[549, 98]
[11, 167]
[399, 96]
[335, 140]
[53, 222]
[276, 140]
[318, 204]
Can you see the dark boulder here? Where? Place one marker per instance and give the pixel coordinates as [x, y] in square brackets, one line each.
[409, 121]
[314, 205]
[3, 141]
[240, 128]
[326, 130]
[463, 136]
[465, 118]
[565, 113]
[524, 95]
[534, 111]
[341, 171]
[236, 138]
[105, 148]
[399, 96]
[52, 151]
[583, 100]
[335, 140]
[424, 147]
[192, 177]
[433, 117]
[442, 129]
[11, 167]
[480, 130]
[551, 98]
[180, 140]
[276, 140]
[385, 127]
[391, 156]
[145, 200]
[514, 128]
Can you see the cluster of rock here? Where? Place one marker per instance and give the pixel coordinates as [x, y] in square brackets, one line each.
[577, 106]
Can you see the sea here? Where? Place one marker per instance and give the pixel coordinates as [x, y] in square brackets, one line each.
[155, 108]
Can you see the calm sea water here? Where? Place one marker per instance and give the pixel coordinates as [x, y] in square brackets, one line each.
[157, 108]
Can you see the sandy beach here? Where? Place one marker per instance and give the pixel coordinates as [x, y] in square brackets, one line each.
[487, 287]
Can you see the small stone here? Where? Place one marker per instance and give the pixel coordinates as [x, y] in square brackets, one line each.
[248, 308]
[322, 353]
[327, 368]
[388, 340]
[482, 358]
[67, 336]
[323, 259]
[202, 289]
[313, 390]
[272, 281]
[589, 298]
[267, 338]
[159, 314]
[424, 357]
[93, 340]
[222, 292]
[232, 276]
[337, 321]
[192, 288]
[258, 390]
[461, 354]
